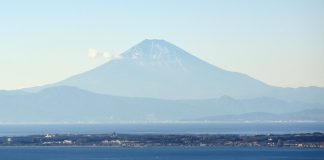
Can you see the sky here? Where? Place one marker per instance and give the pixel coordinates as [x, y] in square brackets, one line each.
[280, 42]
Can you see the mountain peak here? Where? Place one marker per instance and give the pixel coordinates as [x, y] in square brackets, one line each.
[154, 49]
[154, 41]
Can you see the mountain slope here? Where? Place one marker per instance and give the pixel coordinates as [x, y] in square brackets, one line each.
[72, 105]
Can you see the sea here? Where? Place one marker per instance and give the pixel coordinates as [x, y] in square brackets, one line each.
[162, 128]
[160, 153]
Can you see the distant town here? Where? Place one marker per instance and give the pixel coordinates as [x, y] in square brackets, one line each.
[303, 140]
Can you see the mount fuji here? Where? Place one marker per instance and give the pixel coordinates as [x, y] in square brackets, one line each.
[159, 69]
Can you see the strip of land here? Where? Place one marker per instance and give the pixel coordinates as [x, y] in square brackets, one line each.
[304, 140]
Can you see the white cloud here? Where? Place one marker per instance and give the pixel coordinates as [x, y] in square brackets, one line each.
[94, 53]
[107, 55]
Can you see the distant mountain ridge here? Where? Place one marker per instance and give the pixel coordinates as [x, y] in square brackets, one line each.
[65, 104]
[159, 69]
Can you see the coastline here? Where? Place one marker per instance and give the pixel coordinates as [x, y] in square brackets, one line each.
[300, 140]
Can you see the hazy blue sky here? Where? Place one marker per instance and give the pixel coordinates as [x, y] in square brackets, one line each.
[280, 42]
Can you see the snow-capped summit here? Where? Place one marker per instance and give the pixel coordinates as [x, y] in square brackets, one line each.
[157, 52]
[153, 50]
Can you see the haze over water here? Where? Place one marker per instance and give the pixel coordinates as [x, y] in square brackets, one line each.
[166, 128]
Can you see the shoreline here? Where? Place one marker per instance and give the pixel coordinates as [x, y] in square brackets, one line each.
[300, 140]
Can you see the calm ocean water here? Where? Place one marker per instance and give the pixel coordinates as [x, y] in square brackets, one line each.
[158, 153]
[211, 128]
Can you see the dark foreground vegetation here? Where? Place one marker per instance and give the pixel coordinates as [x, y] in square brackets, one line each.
[305, 140]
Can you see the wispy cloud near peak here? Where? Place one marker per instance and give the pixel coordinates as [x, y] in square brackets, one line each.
[94, 53]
